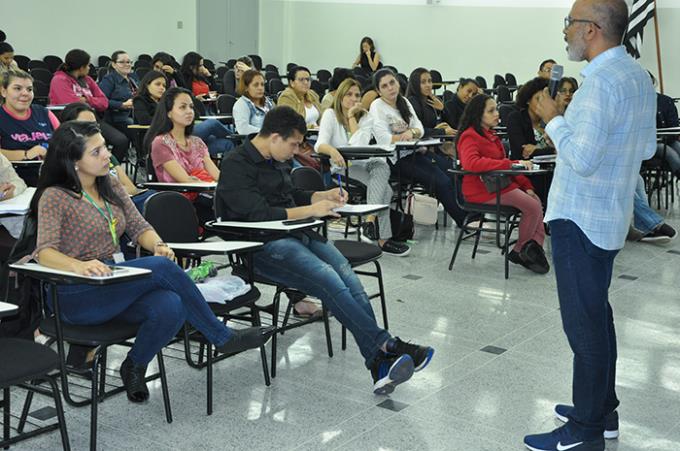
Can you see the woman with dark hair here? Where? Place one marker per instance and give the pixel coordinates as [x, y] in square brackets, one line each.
[300, 97]
[120, 86]
[395, 120]
[525, 128]
[151, 89]
[453, 109]
[427, 106]
[166, 64]
[81, 214]
[7, 62]
[480, 150]
[340, 74]
[196, 76]
[25, 129]
[250, 109]
[177, 156]
[565, 92]
[368, 59]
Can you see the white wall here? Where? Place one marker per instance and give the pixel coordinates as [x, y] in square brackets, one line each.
[456, 37]
[40, 27]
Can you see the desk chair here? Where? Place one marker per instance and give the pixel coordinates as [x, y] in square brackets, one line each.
[22, 61]
[505, 215]
[357, 253]
[225, 104]
[174, 219]
[257, 61]
[30, 362]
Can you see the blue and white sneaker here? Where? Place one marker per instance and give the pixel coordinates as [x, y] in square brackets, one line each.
[421, 355]
[611, 421]
[561, 440]
[388, 372]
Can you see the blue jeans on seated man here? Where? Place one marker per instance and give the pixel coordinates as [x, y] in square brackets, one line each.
[319, 269]
[215, 135]
[160, 304]
[645, 219]
[583, 272]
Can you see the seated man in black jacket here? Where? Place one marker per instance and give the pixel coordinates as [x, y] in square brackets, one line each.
[255, 185]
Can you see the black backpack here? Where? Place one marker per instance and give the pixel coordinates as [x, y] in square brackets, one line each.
[402, 225]
[21, 290]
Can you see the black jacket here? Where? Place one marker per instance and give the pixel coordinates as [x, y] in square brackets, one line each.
[521, 132]
[453, 111]
[427, 115]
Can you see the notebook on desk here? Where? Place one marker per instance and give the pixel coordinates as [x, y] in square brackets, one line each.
[19, 205]
[118, 272]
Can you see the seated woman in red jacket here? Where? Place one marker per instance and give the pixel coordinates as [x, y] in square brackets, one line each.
[480, 150]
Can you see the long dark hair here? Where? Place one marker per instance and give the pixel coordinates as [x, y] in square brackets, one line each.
[75, 59]
[189, 68]
[161, 123]
[370, 44]
[59, 169]
[146, 81]
[472, 115]
[413, 88]
[72, 110]
[402, 105]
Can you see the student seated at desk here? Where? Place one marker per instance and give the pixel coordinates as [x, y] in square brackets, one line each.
[525, 129]
[25, 129]
[7, 62]
[255, 185]
[480, 150]
[81, 213]
[427, 106]
[164, 63]
[11, 185]
[83, 112]
[250, 108]
[152, 87]
[395, 120]
[347, 124]
[299, 96]
[176, 154]
[453, 109]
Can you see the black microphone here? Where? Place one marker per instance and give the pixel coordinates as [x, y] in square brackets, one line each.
[555, 77]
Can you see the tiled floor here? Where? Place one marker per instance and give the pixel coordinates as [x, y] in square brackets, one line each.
[467, 399]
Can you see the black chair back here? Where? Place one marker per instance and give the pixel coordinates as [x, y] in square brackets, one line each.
[504, 110]
[503, 94]
[276, 86]
[307, 178]
[323, 76]
[103, 61]
[93, 72]
[448, 96]
[142, 71]
[498, 80]
[436, 77]
[41, 74]
[231, 63]
[271, 75]
[225, 104]
[22, 61]
[34, 64]
[144, 57]
[101, 73]
[510, 80]
[142, 63]
[272, 68]
[229, 82]
[220, 71]
[53, 62]
[40, 88]
[172, 216]
[209, 65]
[318, 88]
[403, 83]
[290, 66]
[481, 81]
[257, 61]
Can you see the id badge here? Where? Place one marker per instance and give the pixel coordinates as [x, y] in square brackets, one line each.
[118, 257]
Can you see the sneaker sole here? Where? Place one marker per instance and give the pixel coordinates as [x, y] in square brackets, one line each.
[403, 254]
[657, 239]
[399, 372]
[608, 435]
[430, 354]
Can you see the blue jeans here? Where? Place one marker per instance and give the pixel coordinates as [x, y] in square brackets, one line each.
[319, 269]
[215, 135]
[430, 170]
[139, 199]
[160, 304]
[671, 152]
[645, 219]
[583, 272]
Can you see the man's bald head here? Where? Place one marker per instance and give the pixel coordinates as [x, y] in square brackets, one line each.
[610, 15]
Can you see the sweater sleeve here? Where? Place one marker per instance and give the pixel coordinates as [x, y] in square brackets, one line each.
[51, 214]
[141, 111]
[472, 160]
[363, 136]
[98, 100]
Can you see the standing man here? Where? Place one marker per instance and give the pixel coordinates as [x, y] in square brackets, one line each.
[608, 129]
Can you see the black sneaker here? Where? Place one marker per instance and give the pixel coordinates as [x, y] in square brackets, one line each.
[534, 257]
[611, 420]
[388, 372]
[394, 248]
[248, 338]
[662, 234]
[421, 355]
[369, 230]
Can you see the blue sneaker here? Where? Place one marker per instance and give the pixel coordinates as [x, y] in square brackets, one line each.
[611, 421]
[561, 440]
[421, 355]
[388, 372]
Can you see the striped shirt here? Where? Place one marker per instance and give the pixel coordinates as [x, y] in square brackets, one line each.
[608, 129]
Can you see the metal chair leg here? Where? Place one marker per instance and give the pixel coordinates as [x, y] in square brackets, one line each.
[60, 413]
[164, 387]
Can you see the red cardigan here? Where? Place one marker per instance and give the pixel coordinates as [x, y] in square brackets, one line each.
[480, 154]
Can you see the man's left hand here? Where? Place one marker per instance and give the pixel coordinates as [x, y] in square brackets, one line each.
[546, 108]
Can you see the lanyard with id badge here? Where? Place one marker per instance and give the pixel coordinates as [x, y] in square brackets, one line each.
[118, 257]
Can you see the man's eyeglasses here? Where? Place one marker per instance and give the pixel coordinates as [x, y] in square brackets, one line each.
[570, 20]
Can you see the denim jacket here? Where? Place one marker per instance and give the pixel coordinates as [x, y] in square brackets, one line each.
[248, 117]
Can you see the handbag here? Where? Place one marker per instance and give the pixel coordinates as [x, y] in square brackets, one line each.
[402, 225]
[423, 208]
[494, 183]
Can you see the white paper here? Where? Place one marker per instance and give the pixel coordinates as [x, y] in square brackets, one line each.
[214, 246]
[422, 142]
[18, 205]
[266, 225]
[359, 209]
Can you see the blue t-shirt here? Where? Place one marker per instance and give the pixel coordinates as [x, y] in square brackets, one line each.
[22, 134]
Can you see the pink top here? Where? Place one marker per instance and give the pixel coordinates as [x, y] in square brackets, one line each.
[65, 89]
[164, 148]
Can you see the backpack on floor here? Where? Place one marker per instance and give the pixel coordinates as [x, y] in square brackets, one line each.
[402, 225]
